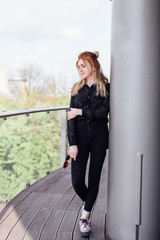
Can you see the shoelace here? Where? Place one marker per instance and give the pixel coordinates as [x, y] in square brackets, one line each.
[84, 221]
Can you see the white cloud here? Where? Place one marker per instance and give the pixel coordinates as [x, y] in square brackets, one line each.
[27, 20]
[25, 60]
[42, 50]
[51, 33]
[71, 32]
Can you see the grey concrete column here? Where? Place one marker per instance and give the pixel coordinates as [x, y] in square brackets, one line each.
[133, 210]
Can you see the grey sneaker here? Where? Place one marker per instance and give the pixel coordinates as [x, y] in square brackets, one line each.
[85, 227]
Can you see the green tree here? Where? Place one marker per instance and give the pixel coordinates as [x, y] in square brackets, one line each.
[29, 146]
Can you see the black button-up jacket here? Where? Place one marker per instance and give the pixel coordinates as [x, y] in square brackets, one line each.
[95, 110]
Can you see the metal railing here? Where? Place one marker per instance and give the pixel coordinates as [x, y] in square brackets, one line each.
[6, 114]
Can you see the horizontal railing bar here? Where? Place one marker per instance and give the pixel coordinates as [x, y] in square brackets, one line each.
[5, 114]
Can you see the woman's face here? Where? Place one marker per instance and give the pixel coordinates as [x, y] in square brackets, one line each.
[85, 69]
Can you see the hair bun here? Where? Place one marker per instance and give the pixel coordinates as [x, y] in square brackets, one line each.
[96, 53]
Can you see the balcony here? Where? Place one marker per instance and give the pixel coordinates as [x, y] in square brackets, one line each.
[49, 208]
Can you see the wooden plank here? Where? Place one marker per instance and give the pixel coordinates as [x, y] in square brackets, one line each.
[70, 219]
[54, 221]
[21, 226]
[64, 235]
[39, 222]
[36, 227]
[67, 226]
[95, 236]
[50, 177]
[65, 202]
[12, 205]
[76, 204]
[51, 183]
[64, 187]
[15, 215]
[70, 191]
[56, 214]
[100, 205]
[12, 220]
[18, 198]
[98, 222]
[77, 236]
[50, 230]
[63, 182]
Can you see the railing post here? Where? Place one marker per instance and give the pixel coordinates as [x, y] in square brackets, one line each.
[63, 136]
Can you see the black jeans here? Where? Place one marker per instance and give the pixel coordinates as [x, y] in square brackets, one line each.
[95, 146]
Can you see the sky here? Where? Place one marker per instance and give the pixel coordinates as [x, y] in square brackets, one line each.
[51, 34]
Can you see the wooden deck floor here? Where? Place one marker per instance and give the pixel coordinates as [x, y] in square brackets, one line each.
[50, 210]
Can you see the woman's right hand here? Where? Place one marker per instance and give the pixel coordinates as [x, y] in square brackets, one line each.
[73, 152]
[74, 112]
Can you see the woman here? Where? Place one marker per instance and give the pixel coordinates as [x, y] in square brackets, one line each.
[88, 131]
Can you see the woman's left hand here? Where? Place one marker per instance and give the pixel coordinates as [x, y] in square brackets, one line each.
[74, 112]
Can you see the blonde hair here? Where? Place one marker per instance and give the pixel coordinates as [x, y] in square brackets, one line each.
[100, 79]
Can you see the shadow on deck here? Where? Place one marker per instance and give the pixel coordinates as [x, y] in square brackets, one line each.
[50, 210]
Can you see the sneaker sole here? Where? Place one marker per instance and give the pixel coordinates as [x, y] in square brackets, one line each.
[85, 234]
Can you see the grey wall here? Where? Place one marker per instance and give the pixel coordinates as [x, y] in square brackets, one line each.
[134, 121]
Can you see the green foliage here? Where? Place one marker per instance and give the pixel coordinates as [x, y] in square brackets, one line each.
[29, 146]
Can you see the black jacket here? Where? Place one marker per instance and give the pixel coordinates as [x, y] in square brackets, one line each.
[95, 110]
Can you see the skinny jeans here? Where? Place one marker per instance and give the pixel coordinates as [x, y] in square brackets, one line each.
[92, 139]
